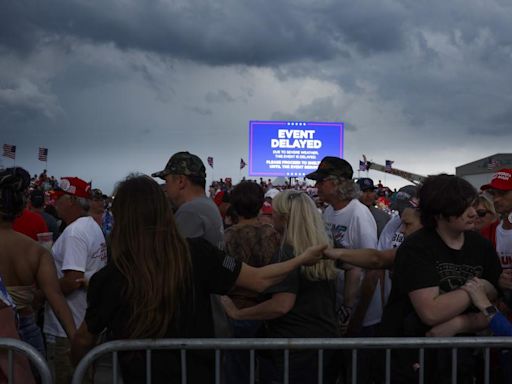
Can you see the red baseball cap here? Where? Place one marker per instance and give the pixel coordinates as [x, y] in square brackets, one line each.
[266, 209]
[73, 186]
[501, 180]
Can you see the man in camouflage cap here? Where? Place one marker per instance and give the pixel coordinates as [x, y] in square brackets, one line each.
[183, 163]
[196, 214]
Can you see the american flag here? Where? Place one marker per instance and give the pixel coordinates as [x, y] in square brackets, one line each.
[242, 163]
[210, 161]
[10, 151]
[389, 163]
[43, 154]
[362, 166]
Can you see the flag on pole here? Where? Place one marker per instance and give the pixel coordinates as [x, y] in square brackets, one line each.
[10, 151]
[43, 154]
[242, 164]
[362, 166]
[210, 161]
[389, 163]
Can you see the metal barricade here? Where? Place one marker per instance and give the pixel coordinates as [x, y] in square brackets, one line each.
[354, 344]
[38, 361]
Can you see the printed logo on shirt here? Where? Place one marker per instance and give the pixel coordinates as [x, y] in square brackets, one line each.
[506, 261]
[229, 263]
[454, 276]
[337, 233]
[397, 240]
[101, 253]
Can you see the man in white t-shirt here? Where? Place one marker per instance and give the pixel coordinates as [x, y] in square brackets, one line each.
[352, 226]
[79, 252]
[500, 234]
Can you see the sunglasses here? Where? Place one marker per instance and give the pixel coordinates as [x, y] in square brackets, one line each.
[482, 212]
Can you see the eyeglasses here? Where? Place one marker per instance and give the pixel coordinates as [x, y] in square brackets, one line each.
[482, 212]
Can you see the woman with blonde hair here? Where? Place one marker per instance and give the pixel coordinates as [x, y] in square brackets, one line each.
[303, 305]
[486, 214]
[158, 285]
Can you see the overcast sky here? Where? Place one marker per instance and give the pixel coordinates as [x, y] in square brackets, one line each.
[115, 86]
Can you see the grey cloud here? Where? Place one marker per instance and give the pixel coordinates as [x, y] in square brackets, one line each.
[23, 99]
[220, 96]
[222, 32]
[200, 111]
[320, 109]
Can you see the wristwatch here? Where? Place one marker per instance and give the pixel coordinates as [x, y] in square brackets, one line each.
[490, 311]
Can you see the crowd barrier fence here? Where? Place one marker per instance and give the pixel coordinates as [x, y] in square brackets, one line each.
[353, 344]
[37, 360]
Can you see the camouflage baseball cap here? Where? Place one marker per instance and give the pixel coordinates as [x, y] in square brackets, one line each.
[183, 163]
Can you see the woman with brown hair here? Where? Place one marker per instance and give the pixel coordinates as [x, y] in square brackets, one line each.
[159, 284]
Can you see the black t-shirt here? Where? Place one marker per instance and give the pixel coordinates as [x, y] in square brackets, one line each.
[313, 314]
[424, 261]
[213, 272]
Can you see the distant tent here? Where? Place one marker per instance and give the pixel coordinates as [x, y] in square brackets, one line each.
[281, 180]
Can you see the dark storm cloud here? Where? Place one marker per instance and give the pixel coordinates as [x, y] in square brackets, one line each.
[228, 32]
[320, 109]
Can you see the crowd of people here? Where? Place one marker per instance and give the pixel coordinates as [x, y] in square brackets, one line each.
[339, 257]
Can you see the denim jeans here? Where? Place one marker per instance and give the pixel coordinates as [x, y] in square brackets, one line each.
[30, 333]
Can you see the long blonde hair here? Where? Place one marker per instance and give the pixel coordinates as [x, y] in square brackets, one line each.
[152, 256]
[303, 228]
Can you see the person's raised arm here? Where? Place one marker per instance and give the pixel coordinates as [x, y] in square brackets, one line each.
[365, 258]
[259, 279]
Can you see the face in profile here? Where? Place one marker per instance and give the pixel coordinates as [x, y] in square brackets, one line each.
[464, 222]
[410, 221]
[502, 201]
[484, 217]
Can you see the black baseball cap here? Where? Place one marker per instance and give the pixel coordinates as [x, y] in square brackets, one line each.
[332, 166]
[366, 184]
[37, 198]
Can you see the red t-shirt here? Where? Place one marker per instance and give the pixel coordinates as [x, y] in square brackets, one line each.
[30, 224]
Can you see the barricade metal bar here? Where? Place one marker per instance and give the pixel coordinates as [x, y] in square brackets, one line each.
[37, 360]
[286, 366]
[422, 365]
[320, 366]
[354, 366]
[454, 365]
[10, 362]
[217, 366]
[183, 353]
[252, 358]
[148, 366]
[388, 366]
[487, 371]
[295, 344]
[115, 366]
